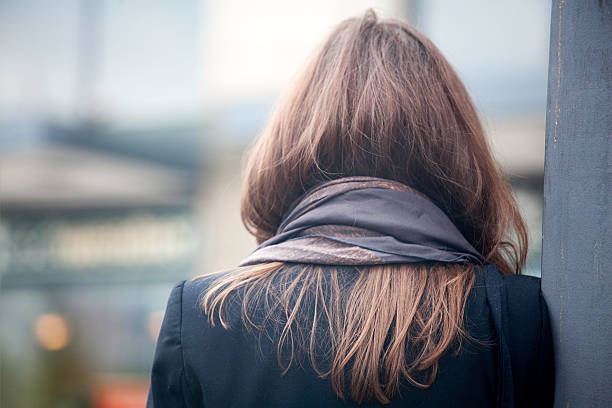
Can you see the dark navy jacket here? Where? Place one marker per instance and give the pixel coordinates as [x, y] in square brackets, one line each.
[197, 365]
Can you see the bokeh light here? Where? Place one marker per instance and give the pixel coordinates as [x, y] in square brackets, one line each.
[52, 331]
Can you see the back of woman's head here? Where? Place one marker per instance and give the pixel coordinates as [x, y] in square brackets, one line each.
[377, 98]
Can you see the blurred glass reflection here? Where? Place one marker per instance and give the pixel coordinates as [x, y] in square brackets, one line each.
[122, 130]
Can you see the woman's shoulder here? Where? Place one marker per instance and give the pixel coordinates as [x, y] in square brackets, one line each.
[191, 291]
[526, 307]
[522, 292]
[530, 340]
[525, 321]
[522, 286]
[185, 313]
[184, 299]
[525, 313]
[195, 319]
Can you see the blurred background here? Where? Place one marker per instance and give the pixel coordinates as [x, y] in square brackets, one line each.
[122, 131]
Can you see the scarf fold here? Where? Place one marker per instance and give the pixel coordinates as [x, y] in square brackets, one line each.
[364, 221]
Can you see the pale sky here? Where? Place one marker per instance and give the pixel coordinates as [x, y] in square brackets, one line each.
[171, 61]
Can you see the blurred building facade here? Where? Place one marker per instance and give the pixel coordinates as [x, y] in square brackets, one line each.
[123, 127]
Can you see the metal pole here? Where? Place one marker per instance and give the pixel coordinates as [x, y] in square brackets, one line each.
[577, 223]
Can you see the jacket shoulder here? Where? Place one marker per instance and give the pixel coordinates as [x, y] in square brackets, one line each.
[522, 286]
[198, 328]
[530, 341]
[524, 311]
[167, 386]
[193, 294]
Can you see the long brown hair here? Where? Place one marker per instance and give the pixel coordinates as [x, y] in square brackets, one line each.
[377, 98]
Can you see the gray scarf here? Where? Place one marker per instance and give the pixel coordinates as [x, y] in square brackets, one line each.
[364, 221]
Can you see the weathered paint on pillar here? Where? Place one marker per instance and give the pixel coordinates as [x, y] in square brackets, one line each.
[577, 229]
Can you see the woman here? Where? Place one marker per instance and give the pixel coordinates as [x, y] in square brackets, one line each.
[390, 254]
